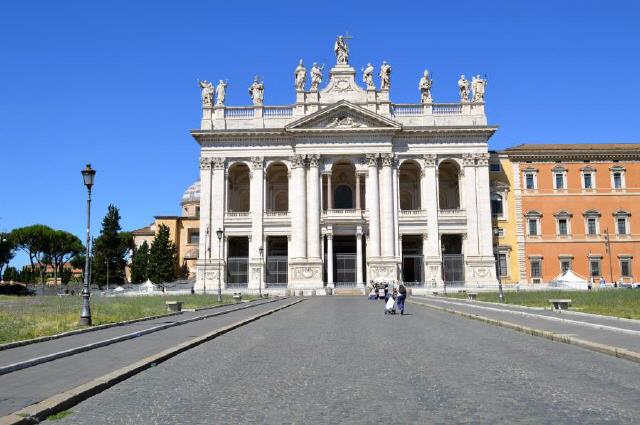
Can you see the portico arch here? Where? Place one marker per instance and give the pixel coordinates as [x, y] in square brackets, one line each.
[449, 185]
[277, 187]
[343, 182]
[409, 185]
[239, 191]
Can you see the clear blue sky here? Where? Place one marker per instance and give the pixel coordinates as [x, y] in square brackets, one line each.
[114, 83]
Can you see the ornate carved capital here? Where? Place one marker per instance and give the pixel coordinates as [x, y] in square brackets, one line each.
[257, 162]
[468, 160]
[329, 235]
[314, 160]
[387, 159]
[218, 163]
[430, 159]
[482, 159]
[205, 163]
[297, 161]
[372, 159]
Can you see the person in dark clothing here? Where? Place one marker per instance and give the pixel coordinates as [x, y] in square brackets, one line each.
[402, 295]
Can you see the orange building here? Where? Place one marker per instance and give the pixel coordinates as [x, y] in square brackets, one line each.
[577, 207]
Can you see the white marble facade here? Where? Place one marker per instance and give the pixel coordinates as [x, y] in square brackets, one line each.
[343, 174]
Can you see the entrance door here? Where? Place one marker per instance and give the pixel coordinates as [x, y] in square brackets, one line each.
[453, 269]
[412, 269]
[345, 270]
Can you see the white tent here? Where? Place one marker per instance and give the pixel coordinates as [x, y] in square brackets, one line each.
[148, 286]
[119, 289]
[569, 279]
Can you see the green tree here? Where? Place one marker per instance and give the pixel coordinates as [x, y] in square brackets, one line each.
[62, 247]
[7, 251]
[110, 249]
[11, 274]
[34, 240]
[162, 257]
[140, 264]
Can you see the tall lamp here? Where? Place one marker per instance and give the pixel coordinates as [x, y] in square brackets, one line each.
[88, 176]
[261, 251]
[219, 233]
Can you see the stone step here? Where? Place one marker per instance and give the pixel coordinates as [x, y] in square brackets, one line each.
[348, 291]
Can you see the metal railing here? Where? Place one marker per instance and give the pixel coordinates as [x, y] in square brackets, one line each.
[237, 272]
[277, 271]
[239, 112]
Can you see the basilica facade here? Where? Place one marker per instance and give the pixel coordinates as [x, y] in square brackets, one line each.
[344, 187]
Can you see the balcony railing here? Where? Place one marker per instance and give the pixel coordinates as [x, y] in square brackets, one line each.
[446, 108]
[407, 110]
[455, 211]
[276, 213]
[278, 111]
[411, 212]
[237, 213]
[239, 112]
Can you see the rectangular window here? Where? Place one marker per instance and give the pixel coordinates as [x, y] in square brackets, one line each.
[533, 226]
[562, 227]
[565, 266]
[594, 266]
[617, 180]
[502, 265]
[591, 226]
[625, 267]
[559, 181]
[622, 226]
[494, 166]
[500, 232]
[194, 236]
[588, 184]
[536, 269]
[529, 181]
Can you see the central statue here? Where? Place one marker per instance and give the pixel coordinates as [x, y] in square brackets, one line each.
[342, 51]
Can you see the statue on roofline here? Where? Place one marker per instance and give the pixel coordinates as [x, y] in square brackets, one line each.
[478, 86]
[385, 76]
[316, 76]
[300, 76]
[256, 91]
[342, 50]
[463, 87]
[207, 92]
[367, 77]
[425, 87]
[221, 93]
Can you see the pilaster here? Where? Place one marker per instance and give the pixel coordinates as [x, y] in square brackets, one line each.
[256, 207]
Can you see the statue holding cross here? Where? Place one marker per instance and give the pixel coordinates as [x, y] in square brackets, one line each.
[342, 50]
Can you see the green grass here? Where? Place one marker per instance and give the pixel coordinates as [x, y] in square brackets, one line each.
[611, 302]
[33, 316]
[59, 415]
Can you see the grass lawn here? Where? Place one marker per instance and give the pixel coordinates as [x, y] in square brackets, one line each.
[611, 302]
[25, 317]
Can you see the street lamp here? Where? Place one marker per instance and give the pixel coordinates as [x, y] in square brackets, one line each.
[496, 254]
[88, 177]
[219, 233]
[261, 250]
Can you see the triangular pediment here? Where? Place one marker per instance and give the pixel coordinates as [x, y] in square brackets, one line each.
[343, 116]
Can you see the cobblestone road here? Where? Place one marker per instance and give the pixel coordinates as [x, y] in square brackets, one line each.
[340, 360]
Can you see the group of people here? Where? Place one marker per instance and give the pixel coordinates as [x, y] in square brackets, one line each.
[393, 293]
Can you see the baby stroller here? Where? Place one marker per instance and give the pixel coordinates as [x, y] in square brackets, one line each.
[389, 307]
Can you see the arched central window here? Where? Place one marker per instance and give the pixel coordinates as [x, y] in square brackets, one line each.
[343, 197]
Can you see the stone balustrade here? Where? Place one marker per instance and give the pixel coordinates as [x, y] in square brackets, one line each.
[278, 111]
[239, 112]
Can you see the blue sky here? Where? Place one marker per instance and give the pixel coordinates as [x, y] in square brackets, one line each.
[114, 83]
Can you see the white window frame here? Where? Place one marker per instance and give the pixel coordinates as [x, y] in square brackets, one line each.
[562, 171]
[538, 260]
[591, 172]
[627, 223]
[591, 214]
[618, 169]
[534, 174]
[565, 258]
[563, 215]
[629, 259]
[594, 258]
[534, 215]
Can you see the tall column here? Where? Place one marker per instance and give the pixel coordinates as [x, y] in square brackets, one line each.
[485, 231]
[313, 208]
[430, 203]
[205, 221]
[330, 260]
[257, 211]
[396, 207]
[373, 203]
[357, 191]
[218, 195]
[471, 205]
[298, 202]
[359, 281]
[329, 192]
[388, 244]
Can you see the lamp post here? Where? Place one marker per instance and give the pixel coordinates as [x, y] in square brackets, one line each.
[219, 233]
[106, 261]
[496, 254]
[261, 250]
[88, 176]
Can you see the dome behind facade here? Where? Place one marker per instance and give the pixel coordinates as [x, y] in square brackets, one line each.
[192, 194]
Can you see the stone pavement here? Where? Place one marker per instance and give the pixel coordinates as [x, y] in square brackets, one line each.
[602, 330]
[27, 386]
[341, 360]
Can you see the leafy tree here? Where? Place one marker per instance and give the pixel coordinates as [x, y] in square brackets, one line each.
[110, 248]
[61, 248]
[140, 264]
[162, 257]
[7, 251]
[34, 240]
[11, 274]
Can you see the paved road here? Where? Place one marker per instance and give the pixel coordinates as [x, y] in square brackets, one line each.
[340, 360]
[27, 386]
[603, 330]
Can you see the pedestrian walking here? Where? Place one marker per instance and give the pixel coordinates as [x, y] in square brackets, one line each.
[402, 295]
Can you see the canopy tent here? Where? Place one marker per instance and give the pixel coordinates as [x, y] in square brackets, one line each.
[148, 286]
[569, 279]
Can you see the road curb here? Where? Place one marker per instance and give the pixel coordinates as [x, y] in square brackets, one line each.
[593, 346]
[45, 338]
[40, 411]
[105, 342]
